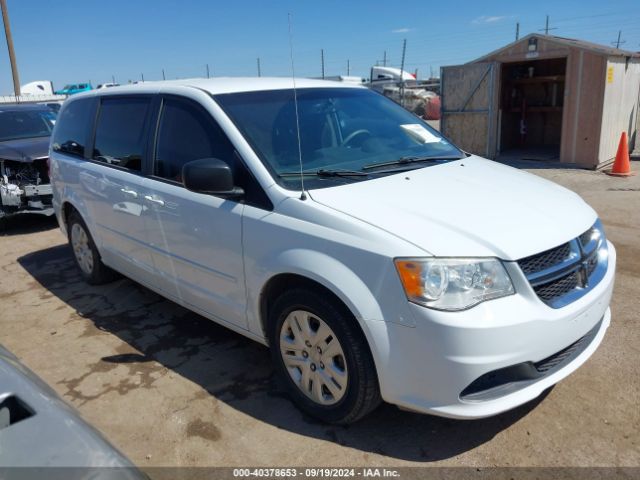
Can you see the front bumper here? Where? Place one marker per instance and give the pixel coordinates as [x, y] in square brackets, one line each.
[29, 199]
[427, 367]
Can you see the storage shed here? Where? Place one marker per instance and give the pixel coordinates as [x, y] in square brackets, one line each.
[544, 98]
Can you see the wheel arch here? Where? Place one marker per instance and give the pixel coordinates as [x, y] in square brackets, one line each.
[71, 202]
[68, 208]
[280, 283]
[318, 270]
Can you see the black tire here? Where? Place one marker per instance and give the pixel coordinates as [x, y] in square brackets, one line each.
[362, 394]
[99, 273]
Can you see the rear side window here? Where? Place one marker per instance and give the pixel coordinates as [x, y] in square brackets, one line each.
[188, 133]
[120, 132]
[72, 127]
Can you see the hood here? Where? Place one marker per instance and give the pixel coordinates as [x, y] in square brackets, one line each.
[25, 149]
[470, 207]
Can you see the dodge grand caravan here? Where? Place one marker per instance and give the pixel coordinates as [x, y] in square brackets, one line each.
[375, 259]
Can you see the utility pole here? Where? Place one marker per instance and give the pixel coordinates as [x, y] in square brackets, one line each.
[163, 74]
[517, 31]
[259, 69]
[384, 61]
[404, 50]
[322, 61]
[415, 74]
[348, 68]
[12, 54]
[619, 41]
[207, 70]
[546, 27]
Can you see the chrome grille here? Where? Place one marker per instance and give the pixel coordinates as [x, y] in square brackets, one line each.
[557, 288]
[565, 273]
[544, 260]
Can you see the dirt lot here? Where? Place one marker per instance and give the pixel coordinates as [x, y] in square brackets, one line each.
[168, 387]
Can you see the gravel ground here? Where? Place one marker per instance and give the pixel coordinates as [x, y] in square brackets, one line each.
[168, 387]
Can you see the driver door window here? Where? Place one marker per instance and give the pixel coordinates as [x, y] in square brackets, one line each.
[186, 132]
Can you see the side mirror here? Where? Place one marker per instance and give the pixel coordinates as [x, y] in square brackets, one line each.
[211, 176]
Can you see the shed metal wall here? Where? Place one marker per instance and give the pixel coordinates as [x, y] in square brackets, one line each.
[620, 108]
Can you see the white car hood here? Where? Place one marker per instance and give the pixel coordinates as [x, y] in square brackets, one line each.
[470, 207]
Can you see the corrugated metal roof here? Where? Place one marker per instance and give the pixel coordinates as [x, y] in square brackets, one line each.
[568, 42]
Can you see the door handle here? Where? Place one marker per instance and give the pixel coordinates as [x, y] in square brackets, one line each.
[132, 193]
[151, 199]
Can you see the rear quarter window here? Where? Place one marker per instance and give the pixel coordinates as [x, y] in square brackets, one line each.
[72, 127]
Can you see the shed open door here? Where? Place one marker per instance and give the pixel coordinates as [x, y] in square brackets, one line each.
[469, 106]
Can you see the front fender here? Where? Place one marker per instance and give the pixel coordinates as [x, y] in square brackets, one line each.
[332, 274]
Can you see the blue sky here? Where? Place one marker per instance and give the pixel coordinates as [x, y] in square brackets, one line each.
[75, 41]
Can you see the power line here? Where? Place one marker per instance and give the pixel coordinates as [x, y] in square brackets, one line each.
[596, 15]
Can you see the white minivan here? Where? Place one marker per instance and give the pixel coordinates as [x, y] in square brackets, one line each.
[376, 259]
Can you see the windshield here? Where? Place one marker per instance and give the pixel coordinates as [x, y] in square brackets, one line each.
[341, 129]
[26, 124]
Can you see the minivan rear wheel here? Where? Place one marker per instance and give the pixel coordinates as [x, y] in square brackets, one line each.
[322, 357]
[85, 253]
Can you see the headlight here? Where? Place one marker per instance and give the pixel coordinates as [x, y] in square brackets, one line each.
[453, 283]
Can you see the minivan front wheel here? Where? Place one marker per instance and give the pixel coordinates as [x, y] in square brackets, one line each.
[322, 357]
[85, 253]
[314, 358]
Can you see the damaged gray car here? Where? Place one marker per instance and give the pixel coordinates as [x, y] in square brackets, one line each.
[24, 171]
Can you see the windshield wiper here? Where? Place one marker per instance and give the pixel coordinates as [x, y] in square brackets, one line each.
[326, 173]
[409, 160]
